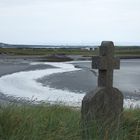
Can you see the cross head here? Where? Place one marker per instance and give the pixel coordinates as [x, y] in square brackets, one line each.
[105, 63]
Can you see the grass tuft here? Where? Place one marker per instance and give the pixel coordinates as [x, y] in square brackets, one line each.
[60, 123]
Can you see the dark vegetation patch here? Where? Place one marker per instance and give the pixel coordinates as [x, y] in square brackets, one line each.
[58, 58]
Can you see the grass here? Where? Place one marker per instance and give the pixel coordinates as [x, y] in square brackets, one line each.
[120, 51]
[59, 123]
[44, 51]
[38, 123]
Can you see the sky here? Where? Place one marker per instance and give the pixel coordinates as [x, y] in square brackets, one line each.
[66, 22]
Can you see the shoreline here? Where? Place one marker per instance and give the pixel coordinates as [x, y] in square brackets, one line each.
[15, 64]
[34, 91]
[61, 58]
[26, 67]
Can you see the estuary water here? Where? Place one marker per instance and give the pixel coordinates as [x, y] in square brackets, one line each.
[67, 82]
[127, 78]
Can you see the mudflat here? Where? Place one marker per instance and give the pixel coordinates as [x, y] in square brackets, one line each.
[11, 64]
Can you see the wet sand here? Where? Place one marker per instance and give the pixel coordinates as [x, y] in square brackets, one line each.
[12, 64]
[127, 79]
[81, 81]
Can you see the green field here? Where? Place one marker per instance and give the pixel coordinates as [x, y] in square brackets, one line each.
[120, 51]
[43, 51]
[45, 122]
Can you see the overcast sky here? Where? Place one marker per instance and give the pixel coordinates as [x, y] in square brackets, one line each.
[69, 21]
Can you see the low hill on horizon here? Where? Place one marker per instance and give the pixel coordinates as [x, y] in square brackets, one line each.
[5, 45]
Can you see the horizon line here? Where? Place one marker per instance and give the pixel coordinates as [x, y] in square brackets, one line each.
[74, 44]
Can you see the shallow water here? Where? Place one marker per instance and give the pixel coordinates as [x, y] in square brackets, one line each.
[127, 79]
[64, 83]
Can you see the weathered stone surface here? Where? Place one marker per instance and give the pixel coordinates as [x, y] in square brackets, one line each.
[106, 62]
[100, 62]
[105, 104]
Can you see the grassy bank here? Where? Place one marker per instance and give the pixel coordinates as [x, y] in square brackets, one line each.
[57, 123]
[44, 51]
[120, 51]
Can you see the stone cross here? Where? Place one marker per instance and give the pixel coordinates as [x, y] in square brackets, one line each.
[104, 104]
[105, 62]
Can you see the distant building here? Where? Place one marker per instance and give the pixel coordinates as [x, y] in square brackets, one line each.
[88, 48]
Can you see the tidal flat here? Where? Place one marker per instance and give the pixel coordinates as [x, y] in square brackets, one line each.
[62, 82]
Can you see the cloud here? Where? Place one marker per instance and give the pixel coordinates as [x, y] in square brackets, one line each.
[69, 21]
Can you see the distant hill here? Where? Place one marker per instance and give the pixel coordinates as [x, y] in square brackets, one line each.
[4, 45]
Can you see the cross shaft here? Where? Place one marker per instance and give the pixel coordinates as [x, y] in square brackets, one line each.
[105, 63]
